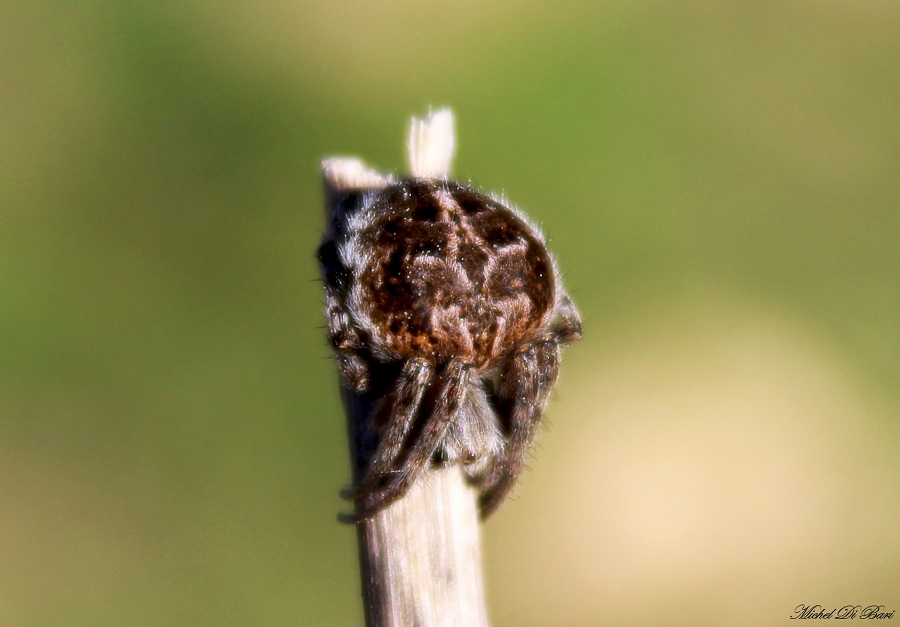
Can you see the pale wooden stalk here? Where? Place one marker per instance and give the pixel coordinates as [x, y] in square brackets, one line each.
[420, 558]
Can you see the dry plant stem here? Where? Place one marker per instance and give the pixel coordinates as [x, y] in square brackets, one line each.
[420, 557]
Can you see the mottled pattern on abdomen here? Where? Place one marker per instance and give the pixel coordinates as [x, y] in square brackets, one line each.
[450, 273]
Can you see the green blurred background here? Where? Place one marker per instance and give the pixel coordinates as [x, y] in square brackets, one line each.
[720, 182]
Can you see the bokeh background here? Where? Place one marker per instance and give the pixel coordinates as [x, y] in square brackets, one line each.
[719, 180]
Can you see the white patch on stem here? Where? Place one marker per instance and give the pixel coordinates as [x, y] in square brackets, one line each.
[431, 145]
[343, 173]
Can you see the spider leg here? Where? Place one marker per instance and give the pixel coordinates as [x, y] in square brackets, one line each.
[526, 383]
[566, 322]
[449, 392]
[397, 412]
[344, 337]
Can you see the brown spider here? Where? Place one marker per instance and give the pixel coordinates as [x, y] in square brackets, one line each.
[445, 305]
[457, 291]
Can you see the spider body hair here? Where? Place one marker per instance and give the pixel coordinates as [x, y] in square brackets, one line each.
[455, 292]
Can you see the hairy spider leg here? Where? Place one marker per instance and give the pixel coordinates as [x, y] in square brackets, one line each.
[566, 323]
[449, 393]
[397, 412]
[526, 382]
[525, 385]
[354, 371]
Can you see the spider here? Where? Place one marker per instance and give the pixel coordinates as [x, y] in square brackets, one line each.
[452, 293]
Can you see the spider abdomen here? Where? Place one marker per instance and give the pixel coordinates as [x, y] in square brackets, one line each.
[442, 271]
